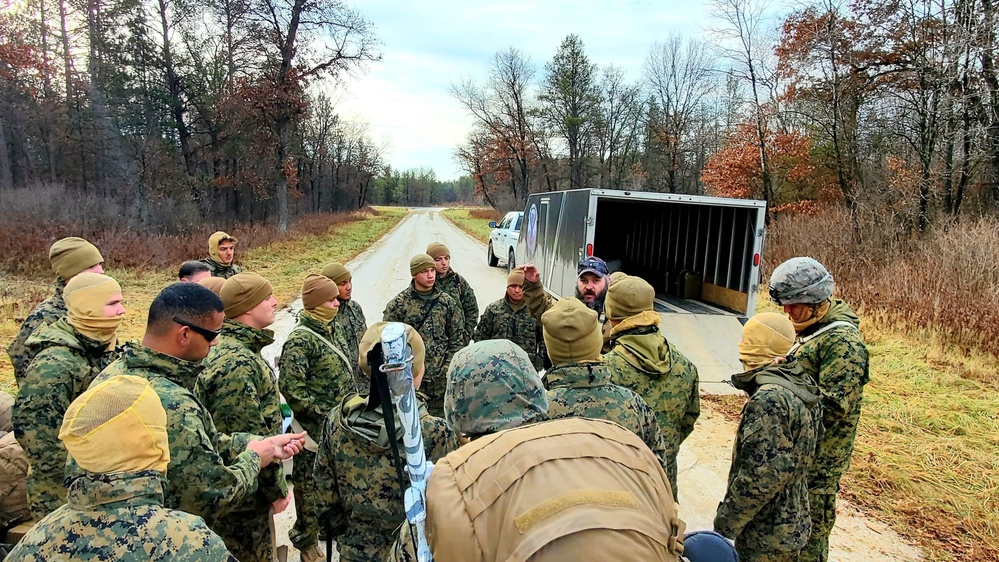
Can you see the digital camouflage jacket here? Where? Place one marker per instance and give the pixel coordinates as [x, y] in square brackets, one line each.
[120, 517]
[358, 492]
[458, 288]
[765, 509]
[501, 321]
[209, 472]
[47, 312]
[644, 361]
[837, 361]
[219, 270]
[65, 363]
[350, 320]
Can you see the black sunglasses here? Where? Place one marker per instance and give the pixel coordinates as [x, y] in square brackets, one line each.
[210, 335]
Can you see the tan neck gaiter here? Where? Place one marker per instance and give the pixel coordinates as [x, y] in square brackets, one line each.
[810, 316]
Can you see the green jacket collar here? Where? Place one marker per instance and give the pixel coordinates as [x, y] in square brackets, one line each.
[61, 333]
[315, 325]
[250, 337]
[183, 373]
[788, 375]
[121, 489]
[578, 375]
[433, 294]
[60, 286]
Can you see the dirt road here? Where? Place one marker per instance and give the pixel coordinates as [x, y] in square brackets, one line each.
[383, 270]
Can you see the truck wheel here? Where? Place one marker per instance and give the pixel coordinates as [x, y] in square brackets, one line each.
[511, 262]
[491, 258]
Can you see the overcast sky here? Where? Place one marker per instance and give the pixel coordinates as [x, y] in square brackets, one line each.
[427, 45]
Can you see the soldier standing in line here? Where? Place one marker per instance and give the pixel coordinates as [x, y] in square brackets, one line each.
[579, 384]
[358, 490]
[221, 255]
[117, 434]
[69, 353]
[315, 374]
[508, 319]
[644, 361]
[455, 285]
[437, 318]
[68, 257]
[350, 320]
[240, 390]
[831, 350]
[765, 509]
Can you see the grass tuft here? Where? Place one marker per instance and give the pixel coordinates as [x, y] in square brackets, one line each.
[474, 221]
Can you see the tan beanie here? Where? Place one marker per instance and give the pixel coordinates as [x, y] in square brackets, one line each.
[213, 284]
[617, 276]
[316, 290]
[437, 250]
[337, 272]
[373, 335]
[516, 277]
[86, 294]
[628, 296]
[72, 255]
[572, 332]
[243, 291]
[419, 263]
[765, 337]
[213, 244]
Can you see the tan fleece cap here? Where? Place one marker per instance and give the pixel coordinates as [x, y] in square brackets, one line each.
[419, 263]
[213, 284]
[765, 337]
[243, 291]
[337, 272]
[629, 296]
[571, 332]
[373, 335]
[516, 277]
[437, 250]
[72, 255]
[316, 290]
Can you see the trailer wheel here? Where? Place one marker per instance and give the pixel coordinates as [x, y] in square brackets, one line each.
[491, 258]
[511, 261]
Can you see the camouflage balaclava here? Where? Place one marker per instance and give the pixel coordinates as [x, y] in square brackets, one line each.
[765, 337]
[86, 295]
[492, 386]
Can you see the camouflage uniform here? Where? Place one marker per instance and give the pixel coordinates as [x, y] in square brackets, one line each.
[240, 390]
[209, 472]
[765, 509]
[440, 322]
[120, 517]
[585, 390]
[355, 477]
[313, 380]
[219, 270]
[349, 321]
[50, 310]
[458, 288]
[65, 362]
[502, 321]
[644, 361]
[837, 361]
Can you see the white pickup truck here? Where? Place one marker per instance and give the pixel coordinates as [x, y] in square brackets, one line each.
[503, 240]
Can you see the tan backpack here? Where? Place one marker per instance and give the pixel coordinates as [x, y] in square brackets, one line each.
[573, 489]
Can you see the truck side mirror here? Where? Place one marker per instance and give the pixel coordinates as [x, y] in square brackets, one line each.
[492, 224]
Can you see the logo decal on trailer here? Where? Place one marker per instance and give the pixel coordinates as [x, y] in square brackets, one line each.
[532, 232]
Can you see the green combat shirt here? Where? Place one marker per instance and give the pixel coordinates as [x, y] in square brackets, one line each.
[351, 323]
[209, 472]
[765, 509]
[47, 312]
[585, 390]
[358, 492]
[120, 517]
[458, 288]
[644, 361]
[837, 361]
[65, 362]
[219, 270]
[501, 321]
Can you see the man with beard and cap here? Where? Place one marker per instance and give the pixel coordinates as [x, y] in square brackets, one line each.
[210, 472]
[68, 257]
[644, 361]
[240, 390]
[592, 279]
[765, 509]
[359, 498]
[350, 320]
[316, 373]
[194, 271]
[116, 433]
[221, 253]
[830, 350]
[70, 352]
[508, 319]
[439, 321]
[566, 489]
[579, 384]
[455, 285]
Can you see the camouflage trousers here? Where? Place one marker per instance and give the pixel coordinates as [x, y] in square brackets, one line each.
[434, 389]
[247, 535]
[45, 491]
[823, 508]
[752, 555]
[304, 535]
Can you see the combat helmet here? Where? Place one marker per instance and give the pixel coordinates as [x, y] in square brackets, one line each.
[800, 280]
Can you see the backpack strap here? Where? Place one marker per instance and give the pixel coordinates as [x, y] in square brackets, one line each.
[328, 343]
[828, 327]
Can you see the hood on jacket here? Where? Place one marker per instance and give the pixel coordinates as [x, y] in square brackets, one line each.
[787, 374]
[60, 333]
[638, 341]
[369, 424]
[840, 310]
